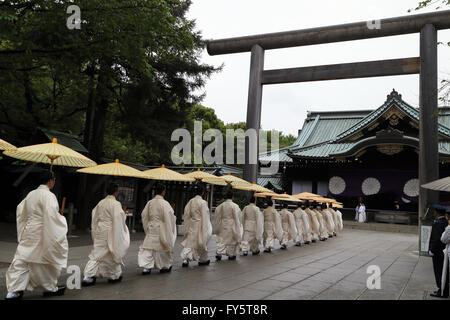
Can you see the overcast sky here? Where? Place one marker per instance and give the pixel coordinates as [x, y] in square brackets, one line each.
[285, 106]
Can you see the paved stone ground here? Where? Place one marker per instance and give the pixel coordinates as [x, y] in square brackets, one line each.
[334, 269]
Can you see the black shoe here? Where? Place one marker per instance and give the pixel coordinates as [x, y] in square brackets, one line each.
[298, 244]
[218, 257]
[59, 292]
[232, 258]
[165, 270]
[313, 241]
[437, 294]
[185, 264]
[330, 236]
[88, 284]
[267, 250]
[145, 273]
[307, 242]
[255, 253]
[204, 263]
[112, 281]
[19, 297]
[283, 247]
[245, 253]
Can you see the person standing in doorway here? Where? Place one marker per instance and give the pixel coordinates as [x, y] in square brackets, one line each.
[361, 212]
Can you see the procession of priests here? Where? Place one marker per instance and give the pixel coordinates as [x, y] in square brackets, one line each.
[42, 249]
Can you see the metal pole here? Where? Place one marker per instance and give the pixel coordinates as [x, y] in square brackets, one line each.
[428, 134]
[254, 112]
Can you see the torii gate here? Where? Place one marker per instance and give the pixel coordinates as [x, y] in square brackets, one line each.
[427, 24]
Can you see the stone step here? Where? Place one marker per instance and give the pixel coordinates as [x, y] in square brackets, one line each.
[386, 227]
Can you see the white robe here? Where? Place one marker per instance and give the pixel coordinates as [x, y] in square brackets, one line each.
[303, 227]
[329, 221]
[361, 214]
[43, 249]
[228, 227]
[197, 230]
[336, 219]
[253, 225]
[323, 232]
[341, 223]
[445, 238]
[272, 227]
[160, 229]
[314, 223]
[111, 240]
[289, 227]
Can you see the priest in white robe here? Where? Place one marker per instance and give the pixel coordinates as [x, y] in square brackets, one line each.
[338, 219]
[329, 222]
[314, 222]
[159, 221]
[272, 226]
[111, 239]
[197, 230]
[228, 227]
[303, 227]
[288, 224]
[42, 250]
[323, 232]
[253, 224]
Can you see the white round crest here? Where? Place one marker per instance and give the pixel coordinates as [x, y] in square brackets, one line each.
[370, 186]
[411, 188]
[336, 185]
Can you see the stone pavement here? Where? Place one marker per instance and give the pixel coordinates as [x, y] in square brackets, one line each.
[334, 269]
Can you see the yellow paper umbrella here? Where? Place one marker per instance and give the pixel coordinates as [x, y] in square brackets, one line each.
[166, 174]
[305, 196]
[6, 145]
[215, 181]
[266, 194]
[250, 187]
[322, 199]
[199, 175]
[286, 197]
[51, 153]
[226, 178]
[114, 169]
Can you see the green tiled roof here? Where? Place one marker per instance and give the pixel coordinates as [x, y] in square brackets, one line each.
[325, 133]
[275, 181]
[69, 140]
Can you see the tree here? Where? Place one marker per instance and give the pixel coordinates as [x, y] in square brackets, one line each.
[128, 75]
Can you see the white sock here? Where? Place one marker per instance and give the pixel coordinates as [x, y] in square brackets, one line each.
[185, 261]
[11, 295]
[146, 270]
[88, 279]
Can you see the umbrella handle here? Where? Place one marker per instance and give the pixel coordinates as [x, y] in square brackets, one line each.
[63, 205]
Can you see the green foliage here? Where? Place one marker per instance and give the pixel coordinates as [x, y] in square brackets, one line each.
[135, 63]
